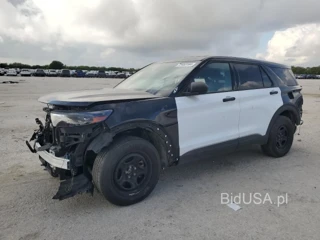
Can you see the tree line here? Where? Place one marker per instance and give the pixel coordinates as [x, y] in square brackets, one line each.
[306, 70]
[60, 65]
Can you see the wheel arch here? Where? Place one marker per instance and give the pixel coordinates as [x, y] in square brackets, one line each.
[290, 111]
[146, 129]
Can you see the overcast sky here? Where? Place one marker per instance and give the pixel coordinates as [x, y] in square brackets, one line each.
[133, 33]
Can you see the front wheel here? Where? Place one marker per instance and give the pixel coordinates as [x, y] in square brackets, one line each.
[280, 138]
[127, 171]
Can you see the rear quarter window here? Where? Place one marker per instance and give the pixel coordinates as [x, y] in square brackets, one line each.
[286, 76]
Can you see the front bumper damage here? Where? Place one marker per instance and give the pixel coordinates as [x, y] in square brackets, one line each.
[64, 152]
[57, 162]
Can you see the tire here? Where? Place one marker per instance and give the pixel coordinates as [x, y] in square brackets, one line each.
[53, 173]
[280, 138]
[127, 162]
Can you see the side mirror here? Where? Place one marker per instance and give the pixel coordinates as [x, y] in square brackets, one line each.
[197, 88]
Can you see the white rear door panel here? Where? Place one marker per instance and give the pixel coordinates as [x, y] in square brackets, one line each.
[257, 107]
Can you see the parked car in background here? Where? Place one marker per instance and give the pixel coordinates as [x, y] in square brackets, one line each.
[121, 75]
[311, 76]
[12, 72]
[39, 73]
[302, 76]
[52, 73]
[101, 74]
[107, 74]
[111, 74]
[91, 74]
[73, 73]
[79, 73]
[127, 74]
[25, 73]
[65, 73]
[1, 72]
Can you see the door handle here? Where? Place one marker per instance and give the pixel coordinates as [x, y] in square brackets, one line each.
[228, 99]
[273, 92]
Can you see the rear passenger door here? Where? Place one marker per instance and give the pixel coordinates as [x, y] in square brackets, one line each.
[259, 99]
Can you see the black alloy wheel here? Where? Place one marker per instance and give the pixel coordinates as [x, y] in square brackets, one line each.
[132, 172]
[282, 137]
[127, 171]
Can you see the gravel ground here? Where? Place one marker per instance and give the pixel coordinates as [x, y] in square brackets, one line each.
[186, 202]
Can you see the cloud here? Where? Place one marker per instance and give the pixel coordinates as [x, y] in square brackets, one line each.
[106, 53]
[148, 30]
[298, 45]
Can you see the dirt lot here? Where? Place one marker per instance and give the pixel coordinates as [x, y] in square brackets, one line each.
[186, 202]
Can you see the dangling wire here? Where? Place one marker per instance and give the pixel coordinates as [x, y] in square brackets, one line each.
[300, 127]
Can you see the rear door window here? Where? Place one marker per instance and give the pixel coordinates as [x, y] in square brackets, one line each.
[249, 76]
[286, 76]
[266, 80]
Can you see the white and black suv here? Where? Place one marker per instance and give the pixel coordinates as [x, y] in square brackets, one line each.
[166, 114]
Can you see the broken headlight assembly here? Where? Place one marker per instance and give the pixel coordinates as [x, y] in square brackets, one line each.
[65, 119]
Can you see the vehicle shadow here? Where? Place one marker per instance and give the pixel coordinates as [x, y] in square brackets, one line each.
[209, 167]
[179, 176]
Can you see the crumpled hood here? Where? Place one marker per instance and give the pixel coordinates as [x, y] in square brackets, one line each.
[87, 97]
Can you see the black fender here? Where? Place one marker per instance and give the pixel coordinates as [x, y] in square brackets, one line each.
[289, 107]
[168, 149]
[101, 141]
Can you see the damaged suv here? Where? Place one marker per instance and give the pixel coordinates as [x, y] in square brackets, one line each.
[118, 139]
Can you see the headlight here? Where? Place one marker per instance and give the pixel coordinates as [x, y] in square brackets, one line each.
[78, 118]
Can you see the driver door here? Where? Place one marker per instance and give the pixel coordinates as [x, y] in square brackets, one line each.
[209, 122]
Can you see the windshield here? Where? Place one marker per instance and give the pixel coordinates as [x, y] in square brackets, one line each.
[159, 78]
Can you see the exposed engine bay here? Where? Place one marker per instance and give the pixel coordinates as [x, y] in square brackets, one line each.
[64, 150]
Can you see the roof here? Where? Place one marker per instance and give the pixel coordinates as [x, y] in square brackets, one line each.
[229, 58]
[189, 59]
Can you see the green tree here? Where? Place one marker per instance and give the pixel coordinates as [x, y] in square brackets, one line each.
[56, 65]
[59, 65]
[36, 67]
[3, 65]
[298, 70]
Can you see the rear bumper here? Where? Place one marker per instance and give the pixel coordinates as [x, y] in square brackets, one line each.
[54, 161]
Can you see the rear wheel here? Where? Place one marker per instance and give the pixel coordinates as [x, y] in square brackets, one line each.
[280, 138]
[127, 171]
